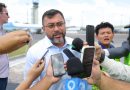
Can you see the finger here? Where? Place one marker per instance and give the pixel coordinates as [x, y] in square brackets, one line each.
[25, 39]
[65, 67]
[85, 43]
[38, 62]
[95, 62]
[41, 65]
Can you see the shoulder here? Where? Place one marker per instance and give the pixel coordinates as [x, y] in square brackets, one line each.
[68, 40]
[38, 48]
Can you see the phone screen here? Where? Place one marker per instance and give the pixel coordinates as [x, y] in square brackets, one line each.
[87, 60]
[58, 64]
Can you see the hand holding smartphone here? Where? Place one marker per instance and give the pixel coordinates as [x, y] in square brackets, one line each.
[87, 56]
[57, 62]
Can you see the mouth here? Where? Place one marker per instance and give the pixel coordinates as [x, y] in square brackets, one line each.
[106, 39]
[58, 36]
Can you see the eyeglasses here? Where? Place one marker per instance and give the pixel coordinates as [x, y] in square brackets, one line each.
[5, 13]
[52, 25]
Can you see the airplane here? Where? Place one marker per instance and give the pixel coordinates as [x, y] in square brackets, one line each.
[10, 26]
[127, 26]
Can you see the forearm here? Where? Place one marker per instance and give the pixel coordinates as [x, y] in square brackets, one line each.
[44, 84]
[107, 83]
[116, 70]
[24, 85]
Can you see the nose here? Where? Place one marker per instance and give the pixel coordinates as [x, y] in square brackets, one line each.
[8, 16]
[106, 34]
[56, 28]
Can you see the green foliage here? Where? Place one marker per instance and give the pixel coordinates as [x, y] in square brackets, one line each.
[19, 52]
[95, 87]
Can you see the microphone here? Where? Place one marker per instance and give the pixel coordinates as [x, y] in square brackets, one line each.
[90, 35]
[119, 51]
[77, 44]
[68, 53]
[74, 65]
[43, 57]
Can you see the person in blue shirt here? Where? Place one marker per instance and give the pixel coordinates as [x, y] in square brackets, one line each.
[104, 34]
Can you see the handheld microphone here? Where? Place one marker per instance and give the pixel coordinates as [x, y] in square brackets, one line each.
[68, 53]
[74, 65]
[43, 57]
[119, 51]
[90, 35]
[77, 44]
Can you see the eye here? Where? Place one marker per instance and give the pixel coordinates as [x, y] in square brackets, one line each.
[50, 26]
[60, 23]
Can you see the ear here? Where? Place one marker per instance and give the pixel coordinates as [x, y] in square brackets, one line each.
[43, 29]
[96, 36]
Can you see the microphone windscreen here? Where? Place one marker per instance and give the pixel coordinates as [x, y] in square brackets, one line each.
[74, 66]
[77, 44]
[68, 53]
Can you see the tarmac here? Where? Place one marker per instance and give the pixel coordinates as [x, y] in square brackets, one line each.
[15, 73]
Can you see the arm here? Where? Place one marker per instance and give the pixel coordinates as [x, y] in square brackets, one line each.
[33, 73]
[119, 51]
[107, 83]
[116, 70]
[47, 81]
[13, 40]
[30, 61]
[103, 81]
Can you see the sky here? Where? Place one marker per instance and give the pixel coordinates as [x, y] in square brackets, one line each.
[76, 12]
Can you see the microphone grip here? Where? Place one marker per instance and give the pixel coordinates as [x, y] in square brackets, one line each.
[68, 53]
[43, 57]
[117, 52]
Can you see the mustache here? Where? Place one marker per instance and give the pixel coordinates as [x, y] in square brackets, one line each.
[57, 33]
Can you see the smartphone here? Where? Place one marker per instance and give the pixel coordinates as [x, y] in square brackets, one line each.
[90, 35]
[57, 62]
[87, 56]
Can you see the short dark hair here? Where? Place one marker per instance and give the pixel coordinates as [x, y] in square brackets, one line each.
[50, 13]
[103, 25]
[2, 5]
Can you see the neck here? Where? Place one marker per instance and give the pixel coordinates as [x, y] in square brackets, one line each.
[107, 46]
[104, 45]
[59, 44]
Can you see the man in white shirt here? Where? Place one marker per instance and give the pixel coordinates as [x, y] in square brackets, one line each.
[54, 42]
[4, 63]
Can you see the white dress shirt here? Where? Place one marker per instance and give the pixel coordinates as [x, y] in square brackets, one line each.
[39, 49]
[4, 62]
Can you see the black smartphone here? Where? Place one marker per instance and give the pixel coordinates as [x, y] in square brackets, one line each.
[57, 62]
[87, 56]
[90, 35]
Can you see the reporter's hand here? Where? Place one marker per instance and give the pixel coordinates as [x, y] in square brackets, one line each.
[98, 51]
[49, 74]
[35, 70]
[13, 40]
[96, 73]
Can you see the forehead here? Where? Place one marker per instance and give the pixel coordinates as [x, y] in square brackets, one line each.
[107, 29]
[4, 10]
[55, 18]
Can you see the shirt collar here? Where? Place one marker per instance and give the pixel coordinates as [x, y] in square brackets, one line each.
[103, 47]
